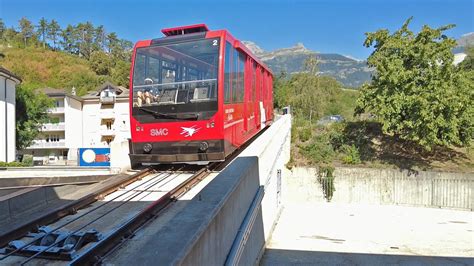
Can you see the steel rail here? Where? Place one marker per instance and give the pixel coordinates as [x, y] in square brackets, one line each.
[67, 209]
[93, 254]
[59, 239]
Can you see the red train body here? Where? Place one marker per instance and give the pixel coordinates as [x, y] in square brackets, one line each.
[197, 96]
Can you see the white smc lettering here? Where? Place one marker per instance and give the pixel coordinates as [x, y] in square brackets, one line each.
[155, 132]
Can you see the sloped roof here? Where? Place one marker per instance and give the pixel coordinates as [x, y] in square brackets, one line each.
[120, 91]
[9, 73]
[53, 91]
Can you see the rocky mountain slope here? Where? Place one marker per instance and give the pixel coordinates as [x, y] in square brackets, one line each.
[350, 72]
[347, 70]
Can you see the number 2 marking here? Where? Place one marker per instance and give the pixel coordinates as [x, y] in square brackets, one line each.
[214, 42]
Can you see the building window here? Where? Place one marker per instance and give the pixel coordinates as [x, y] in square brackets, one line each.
[109, 124]
[108, 139]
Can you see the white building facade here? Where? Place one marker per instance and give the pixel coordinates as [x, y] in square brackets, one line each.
[8, 82]
[92, 121]
[105, 115]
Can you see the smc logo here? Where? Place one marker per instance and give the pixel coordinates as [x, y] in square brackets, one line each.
[154, 132]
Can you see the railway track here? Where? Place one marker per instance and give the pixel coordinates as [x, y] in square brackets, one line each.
[84, 231]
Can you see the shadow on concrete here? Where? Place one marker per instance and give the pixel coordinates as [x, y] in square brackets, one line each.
[303, 257]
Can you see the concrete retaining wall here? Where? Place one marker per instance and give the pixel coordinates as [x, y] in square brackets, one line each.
[387, 186]
[209, 229]
[203, 232]
[24, 200]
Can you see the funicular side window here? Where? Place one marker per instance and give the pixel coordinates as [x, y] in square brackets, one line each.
[254, 81]
[227, 72]
[238, 76]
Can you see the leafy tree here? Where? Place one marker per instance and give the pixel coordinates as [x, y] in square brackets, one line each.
[112, 41]
[417, 93]
[53, 31]
[86, 35]
[311, 64]
[468, 62]
[26, 29]
[121, 73]
[100, 63]
[99, 37]
[70, 39]
[42, 30]
[280, 90]
[31, 112]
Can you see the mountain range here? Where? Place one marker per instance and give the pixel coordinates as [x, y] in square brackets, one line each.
[346, 69]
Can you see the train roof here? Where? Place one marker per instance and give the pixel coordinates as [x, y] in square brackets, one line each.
[202, 28]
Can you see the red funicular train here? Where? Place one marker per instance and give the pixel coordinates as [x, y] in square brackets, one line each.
[197, 95]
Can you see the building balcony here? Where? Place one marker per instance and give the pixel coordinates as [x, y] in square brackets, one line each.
[107, 114]
[56, 110]
[53, 127]
[41, 144]
[107, 99]
[107, 132]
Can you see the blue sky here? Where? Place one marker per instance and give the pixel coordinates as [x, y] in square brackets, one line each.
[327, 26]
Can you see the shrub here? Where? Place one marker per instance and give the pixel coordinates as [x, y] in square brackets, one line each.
[319, 150]
[305, 133]
[350, 154]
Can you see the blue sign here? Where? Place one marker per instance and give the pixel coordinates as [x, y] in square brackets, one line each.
[94, 156]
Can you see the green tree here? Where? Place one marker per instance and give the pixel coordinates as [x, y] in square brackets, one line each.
[53, 32]
[112, 41]
[100, 63]
[311, 64]
[26, 29]
[417, 93]
[31, 112]
[42, 30]
[121, 73]
[468, 62]
[70, 38]
[99, 37]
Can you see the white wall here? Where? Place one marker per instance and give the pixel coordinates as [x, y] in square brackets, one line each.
[92, 117]
[73, 123]
[7, 120]
[91, 122]
[2, 119]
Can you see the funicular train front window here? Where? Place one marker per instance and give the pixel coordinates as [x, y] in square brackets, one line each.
[178, 78]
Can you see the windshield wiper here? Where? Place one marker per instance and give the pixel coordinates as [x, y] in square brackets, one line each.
[169, 116]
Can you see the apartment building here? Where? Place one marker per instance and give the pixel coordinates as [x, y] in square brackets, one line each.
[8, 82]
[61, 137]
[92, 121]
[105, 116]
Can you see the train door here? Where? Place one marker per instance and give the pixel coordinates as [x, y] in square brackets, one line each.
[258, 97]
[262, 98]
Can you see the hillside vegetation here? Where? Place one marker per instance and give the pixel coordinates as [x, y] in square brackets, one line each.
[40, 68]
[81, 56]
[47, 55]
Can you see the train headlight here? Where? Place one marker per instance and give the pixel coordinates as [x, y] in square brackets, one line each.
[147, 147]
[203, 146]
